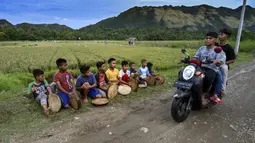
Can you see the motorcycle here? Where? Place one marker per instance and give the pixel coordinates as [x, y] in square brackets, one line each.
[189, 90]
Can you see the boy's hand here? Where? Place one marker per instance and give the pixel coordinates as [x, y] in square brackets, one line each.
[85, 85]
[216, 61]
[71, 94]
[34, 89]
[137, 73]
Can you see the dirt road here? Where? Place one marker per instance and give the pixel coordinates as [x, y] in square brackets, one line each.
[149, 120]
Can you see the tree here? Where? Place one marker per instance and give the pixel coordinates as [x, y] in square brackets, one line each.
[3, 36]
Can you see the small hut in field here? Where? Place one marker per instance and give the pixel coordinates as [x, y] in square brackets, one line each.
[131, 41]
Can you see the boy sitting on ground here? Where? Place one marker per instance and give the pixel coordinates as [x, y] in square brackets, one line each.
[149, 65]
[112, 73]
[101, 77]
[159, 78]
[133, 71]
[40, 89]
[124, 73]
[86, 84]
[65, 83]
[143, 70]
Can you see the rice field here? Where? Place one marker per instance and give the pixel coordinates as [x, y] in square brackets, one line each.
[23, 57]
[19, 58]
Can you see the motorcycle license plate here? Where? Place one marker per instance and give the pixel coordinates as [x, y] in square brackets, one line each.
[183, 85]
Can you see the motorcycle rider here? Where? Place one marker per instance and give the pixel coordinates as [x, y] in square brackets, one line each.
[206, 53]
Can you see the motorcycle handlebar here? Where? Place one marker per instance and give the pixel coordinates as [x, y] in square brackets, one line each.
[187, 60]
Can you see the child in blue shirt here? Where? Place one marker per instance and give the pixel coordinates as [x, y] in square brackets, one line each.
[143, 70]
[86, 83]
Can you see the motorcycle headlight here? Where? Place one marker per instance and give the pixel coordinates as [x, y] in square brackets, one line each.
[188, 72]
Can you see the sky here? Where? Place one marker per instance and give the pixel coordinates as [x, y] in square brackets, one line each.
[80, 13]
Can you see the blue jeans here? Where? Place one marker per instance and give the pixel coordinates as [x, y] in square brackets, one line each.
[219, 82]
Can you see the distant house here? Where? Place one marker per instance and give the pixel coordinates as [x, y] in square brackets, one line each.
[131, 41]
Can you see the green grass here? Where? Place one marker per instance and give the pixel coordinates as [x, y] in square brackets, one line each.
[245, 46]
[19, 113]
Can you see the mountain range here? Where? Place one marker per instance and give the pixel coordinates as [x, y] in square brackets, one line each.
[57, 27]
[202, 17]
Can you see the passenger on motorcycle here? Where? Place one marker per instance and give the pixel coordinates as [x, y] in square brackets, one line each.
[230, 54]
[210, 63]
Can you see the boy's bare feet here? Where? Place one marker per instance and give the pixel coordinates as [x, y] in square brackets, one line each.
[99, 96]
[85, 101]
[46, 112]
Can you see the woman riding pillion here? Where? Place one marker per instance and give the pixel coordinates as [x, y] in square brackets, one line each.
[210, 63]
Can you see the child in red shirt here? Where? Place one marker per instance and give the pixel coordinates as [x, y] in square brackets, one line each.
[64, 81]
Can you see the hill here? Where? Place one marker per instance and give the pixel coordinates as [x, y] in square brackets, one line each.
[202, 17]
[56, 27]
[4, 24]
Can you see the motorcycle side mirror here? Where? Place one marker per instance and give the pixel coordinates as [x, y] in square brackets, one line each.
[217, 49]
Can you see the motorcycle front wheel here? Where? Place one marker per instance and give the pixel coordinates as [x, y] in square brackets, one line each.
[179, 109]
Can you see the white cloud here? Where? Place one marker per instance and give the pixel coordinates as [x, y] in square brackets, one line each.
[56, 18]
[65, 19]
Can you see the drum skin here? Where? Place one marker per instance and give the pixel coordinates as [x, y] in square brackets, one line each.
[54, 103]
[112, 91]
[100, 101]
[124, 89]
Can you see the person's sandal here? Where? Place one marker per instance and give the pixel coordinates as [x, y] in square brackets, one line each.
[219, 101]
[213, 99]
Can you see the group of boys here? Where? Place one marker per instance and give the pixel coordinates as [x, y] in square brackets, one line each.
[88, 84]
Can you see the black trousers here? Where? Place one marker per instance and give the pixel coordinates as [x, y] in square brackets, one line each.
[209, 81]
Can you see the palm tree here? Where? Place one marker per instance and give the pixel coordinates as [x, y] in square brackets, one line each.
[238, 38]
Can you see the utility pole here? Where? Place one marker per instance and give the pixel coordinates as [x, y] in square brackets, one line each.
[238, 37]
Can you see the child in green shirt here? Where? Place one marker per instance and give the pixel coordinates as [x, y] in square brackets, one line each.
[40, 89]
